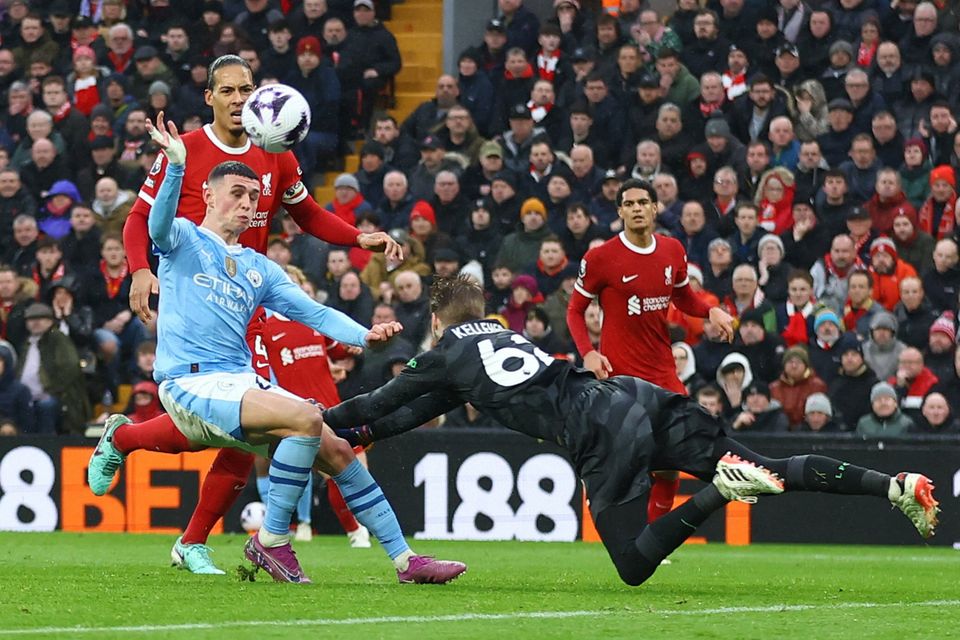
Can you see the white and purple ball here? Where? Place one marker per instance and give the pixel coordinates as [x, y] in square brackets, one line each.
[251, 518]
[276, 117]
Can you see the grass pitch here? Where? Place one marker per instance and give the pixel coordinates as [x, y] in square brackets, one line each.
[64, 585]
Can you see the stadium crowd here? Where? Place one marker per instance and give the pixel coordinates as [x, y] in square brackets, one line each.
[805, 155]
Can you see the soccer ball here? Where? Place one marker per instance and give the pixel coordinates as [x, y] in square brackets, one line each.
[276, 117]
[251, 518]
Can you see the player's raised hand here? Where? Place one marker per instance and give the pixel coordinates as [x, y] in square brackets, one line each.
[381, 241]
[167, 137]
[143, 285]
[597, 363]
[724, 322]
[383, 331]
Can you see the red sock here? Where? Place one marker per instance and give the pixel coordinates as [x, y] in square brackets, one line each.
[340, 508]
[226, 479]
[156, 434]
[662, 493]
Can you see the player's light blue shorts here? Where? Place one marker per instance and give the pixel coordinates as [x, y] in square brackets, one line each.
[205, 407]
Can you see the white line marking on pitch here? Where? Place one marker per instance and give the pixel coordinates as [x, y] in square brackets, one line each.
[467, 617]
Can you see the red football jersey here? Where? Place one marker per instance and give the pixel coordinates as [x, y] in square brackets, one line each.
[280, 182]
[635, 286]
[298, 358]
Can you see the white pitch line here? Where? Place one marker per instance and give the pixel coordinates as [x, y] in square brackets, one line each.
[468, 617]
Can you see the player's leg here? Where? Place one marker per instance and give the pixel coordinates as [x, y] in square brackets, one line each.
[267, 413]
[666, 484]
[371, 508]
[358, 534]
[912, 493]
[121, 437]
[638, 548]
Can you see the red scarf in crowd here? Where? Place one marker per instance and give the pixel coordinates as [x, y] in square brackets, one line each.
[57, 274]
[706, 108]
[86, 94]
[851, 316]
[947, 220]
[348, 212]
[120, 63]
[526, 73]
[865, 54]
[796, 330]
[833, 270]
[555, 270]
[62, 112]
[539, 112]
[113, 282]
[547, 64]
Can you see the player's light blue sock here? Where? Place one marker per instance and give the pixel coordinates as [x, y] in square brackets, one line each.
[370, 507]
[289, 474]
[305, 505]
[263, 488]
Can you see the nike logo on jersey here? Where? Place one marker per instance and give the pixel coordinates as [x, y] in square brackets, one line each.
[278, 336]
[260, 365]
[627, 279]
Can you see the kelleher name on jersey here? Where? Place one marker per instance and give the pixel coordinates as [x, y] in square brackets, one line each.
[477, 329]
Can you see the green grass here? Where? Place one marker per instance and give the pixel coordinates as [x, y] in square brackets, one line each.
[101, 580]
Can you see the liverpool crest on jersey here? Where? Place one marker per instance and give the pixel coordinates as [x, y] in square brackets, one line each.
[231, 266]
[668, 275]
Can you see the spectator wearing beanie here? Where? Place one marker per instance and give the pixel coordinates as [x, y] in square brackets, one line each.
[759, 413]
[941, 346]
[913, 245]
[818, 415]
[795, 384]
[885, 419]
[774, 199]
[347, 202]
[423, 227]
[84, 80]
[522, 247]
[827, 344]
[937, 216]
[762, 348]
[888, 270]
[850, 390]
[525, 295]
[882, 350]
[774, 271]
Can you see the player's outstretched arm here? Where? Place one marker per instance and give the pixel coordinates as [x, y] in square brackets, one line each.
[164, 209]
[593, 360]
[283, 296]
[406, 418]
[417, 395]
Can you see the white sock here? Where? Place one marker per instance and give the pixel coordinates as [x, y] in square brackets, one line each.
[402, 561]
[895, 490]
[271, 540]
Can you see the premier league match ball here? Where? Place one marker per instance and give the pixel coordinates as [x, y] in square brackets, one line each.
[251, 518]
[276, 117]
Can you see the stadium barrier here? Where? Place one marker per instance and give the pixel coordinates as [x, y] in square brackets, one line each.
[470, 484]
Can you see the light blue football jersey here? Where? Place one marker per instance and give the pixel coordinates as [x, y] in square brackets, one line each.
[209, 291]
